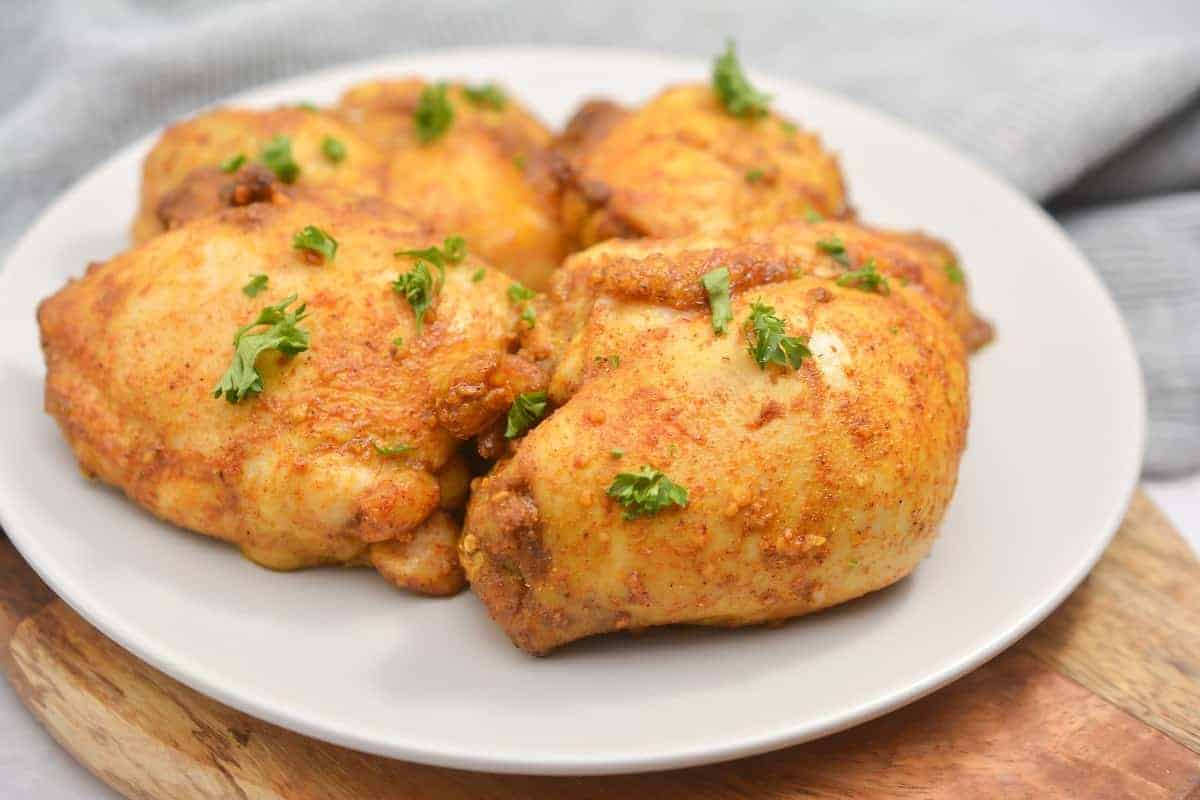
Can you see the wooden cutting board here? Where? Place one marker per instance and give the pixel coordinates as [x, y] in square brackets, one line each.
[1101, 701]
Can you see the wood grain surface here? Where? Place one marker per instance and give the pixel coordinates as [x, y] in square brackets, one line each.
[1101, 701]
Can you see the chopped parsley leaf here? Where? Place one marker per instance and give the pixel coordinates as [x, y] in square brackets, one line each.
[834, 247]
[754, 175]
[646, 492]
[257, 284]
[716, 283]
[393, 450]
[812, 215]
[233, 163]
[526, 410]
[616, 452]
[954, 272]
[434, 114]
[315, 240]
[768, 344]
[277, 155]
[734, 90]
[418, 287]
[867, 279]
[487, 95]
[281, 332]
[398, 341]
[452, 251]
[529, 316]
[477, 276]
[518, 292]
[333, 149]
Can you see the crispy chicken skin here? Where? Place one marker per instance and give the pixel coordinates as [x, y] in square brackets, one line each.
[681, 164]
[182, 178]
[806, 488]
[491, 176]
[292, 475]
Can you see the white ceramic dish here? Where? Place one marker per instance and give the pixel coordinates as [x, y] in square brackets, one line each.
[1055, 446]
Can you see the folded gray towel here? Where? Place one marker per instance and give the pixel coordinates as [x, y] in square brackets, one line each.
[1077, 103]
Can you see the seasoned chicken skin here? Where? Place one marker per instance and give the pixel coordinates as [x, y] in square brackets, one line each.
[182, 177]
[489, 175]
[804, 487]
[682, 164]
[341, 457]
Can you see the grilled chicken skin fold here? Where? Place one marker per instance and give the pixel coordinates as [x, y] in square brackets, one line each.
[800, 458]
[324, 444]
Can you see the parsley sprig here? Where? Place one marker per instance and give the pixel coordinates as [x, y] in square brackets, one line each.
[418, 285]
[646, 492]
[734, 89]
[526, 410]
[233, 163]
[835, 248]
[391, 450]
[452, 251]
[434, 114]
[716, 283]
[257, 284]
[277, 155]
[868, 279]
[333, 149]
[280, 332]
[954, 272]
[487, 95]
[768, 344]
[315, 240]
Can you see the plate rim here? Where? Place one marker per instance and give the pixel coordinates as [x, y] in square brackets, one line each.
[195, 677]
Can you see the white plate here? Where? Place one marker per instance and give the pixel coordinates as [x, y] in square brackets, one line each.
[1055, 446]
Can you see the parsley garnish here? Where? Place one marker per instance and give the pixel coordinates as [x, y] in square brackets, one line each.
[754, 175]
[520, 161]
[716, 283]
[334, 149]
[257, 284]
[519, 293]
[393, 450]
[398, 341]
[526, 410]
[434, 113]
[769, 345]
[281, 334]
[452, 251]
[477, 276]
[418, 287]
[836, 249]
[954, 272]
[733, 88]
[616, 452]
[812, 215]
[233, 163]
[488, 95]
[315, 240]
[788, 127]
[529, 316]
[868, 279]
[277, 155]
[646, 492]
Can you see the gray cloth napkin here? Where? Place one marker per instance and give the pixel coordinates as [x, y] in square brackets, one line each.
[1090, 107]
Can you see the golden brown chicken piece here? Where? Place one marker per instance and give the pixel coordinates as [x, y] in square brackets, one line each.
[683, 164]
[340, 458]
[182, 177]
[487, 173]
[803, 486]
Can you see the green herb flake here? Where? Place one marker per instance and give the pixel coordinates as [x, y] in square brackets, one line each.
[954, 272]
[452, 251]
[529, 316]
[233, 163]
[734, 90]
[487, 95]
[646, 492]
[477, 276]
[520, 161]
[257, 284]
[616, 452]
[835, 248]
[754, 175]
[868, 279]
[277, 156]
[315, 240]
[716, 283]
[788, 127]
[333, 149]
[525, 411]
[418, 287]
[434, 114]
[812, 215]
[393, 450]
[398, 341]
[519, 293]
[280, 331]
[768, 344]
